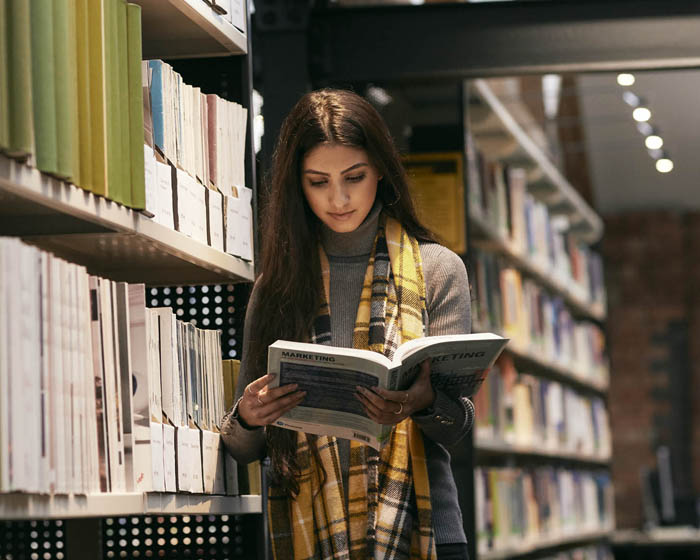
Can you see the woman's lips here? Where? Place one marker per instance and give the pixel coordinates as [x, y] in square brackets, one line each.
[342, 215]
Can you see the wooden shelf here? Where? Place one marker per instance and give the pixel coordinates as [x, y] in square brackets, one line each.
[187, 29]
[29, 506]
[547, 180]
[541, 544]
[499, 447]
[551, 369]
[107, 238]
[487, 238]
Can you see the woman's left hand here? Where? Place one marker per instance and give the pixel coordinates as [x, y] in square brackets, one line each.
[391, 407]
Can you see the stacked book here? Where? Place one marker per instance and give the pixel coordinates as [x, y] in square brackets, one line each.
[499, 197]
[535, 321]
[195, 161]
[70, 92]
[99, 393]
[525, 411]
[517, 507]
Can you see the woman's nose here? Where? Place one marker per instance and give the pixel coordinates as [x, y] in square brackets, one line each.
[339, 196]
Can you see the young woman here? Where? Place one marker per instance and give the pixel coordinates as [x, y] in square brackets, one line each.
[346, 262]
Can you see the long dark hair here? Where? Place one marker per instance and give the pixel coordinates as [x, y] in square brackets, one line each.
[289, 287]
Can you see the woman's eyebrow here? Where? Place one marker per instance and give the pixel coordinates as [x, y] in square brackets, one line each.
[361, 164]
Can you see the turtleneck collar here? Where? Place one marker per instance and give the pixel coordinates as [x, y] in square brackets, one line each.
[353, 243]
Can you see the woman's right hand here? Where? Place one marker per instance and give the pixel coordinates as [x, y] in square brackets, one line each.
[262, 405]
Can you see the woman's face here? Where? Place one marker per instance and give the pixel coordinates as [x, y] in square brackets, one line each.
[340, 185]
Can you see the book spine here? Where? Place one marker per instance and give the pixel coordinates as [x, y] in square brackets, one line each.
[98, 96]
[19, 45]
[156, 68]
[82, 46]
[44, 85]
[65, 78]
[4, 79]
[136, 136]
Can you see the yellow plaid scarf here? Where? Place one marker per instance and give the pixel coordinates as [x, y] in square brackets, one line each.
[388, 513]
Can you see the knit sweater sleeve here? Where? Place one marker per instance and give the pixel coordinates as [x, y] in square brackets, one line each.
[244, 444]
[449, 312]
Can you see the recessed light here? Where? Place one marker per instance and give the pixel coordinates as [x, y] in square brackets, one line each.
[653, 142]
[625, 79]
[664, 165]
[641, 114]
[632, 99]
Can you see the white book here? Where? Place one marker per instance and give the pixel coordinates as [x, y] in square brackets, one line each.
[5, 323]
[60, 374]
[156, 447]
[185, 203]
[231, 473]
[182, 459]
[238, 15]
[232, 225]
[245, 224]
[220, 476]
[216, 219]
[151, 182]
[155, 405]
[101, 432]
[112, 397]
[198, 211]
[77, 375]
[167, 330]
[92, 480]
[45, 311]
[169, 468]
[123, 324]
[210, 460]
[164, 195]
[197, 479]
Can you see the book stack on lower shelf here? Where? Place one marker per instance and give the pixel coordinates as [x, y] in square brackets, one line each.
[533, 415]
[100, 395]
[522, 509]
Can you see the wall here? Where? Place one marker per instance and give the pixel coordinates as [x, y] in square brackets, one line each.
[653, 274]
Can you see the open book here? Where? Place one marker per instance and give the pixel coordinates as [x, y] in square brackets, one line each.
[330, 375]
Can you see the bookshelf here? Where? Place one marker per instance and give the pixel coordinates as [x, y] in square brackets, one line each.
[108, 238]
[121, 244]
[502, 137]
[27, 506]
[188, 29]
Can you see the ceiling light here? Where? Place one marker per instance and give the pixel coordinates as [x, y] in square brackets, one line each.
[664, 165]
[378, 96]
[653, 142]
[625, 79]
[641, 114]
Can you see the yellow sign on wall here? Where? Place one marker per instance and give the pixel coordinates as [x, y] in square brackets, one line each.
[437, 186]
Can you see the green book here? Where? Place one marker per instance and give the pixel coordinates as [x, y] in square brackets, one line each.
[114, 140]
[98, 96]
[44, 85]
[136, 136]
[123, 101]
[4, 80]
[82, 45]
[21, 118]
[65, 77]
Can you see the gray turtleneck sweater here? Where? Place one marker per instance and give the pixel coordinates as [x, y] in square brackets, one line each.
[448, 306]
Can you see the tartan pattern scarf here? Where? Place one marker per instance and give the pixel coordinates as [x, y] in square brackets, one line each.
[388, 513]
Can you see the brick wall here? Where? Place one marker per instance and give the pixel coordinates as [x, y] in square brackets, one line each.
[652, 267]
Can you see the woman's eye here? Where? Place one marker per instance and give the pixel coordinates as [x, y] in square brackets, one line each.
[317, 183]
[356, 178]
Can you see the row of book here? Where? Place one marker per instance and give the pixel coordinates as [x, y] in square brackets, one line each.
[535, 321]
[99, 393]
[592, 552]
[70, 92]
[498, 194]
[199, 133]
[518, 507]
[535, 413]
[176, 200]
